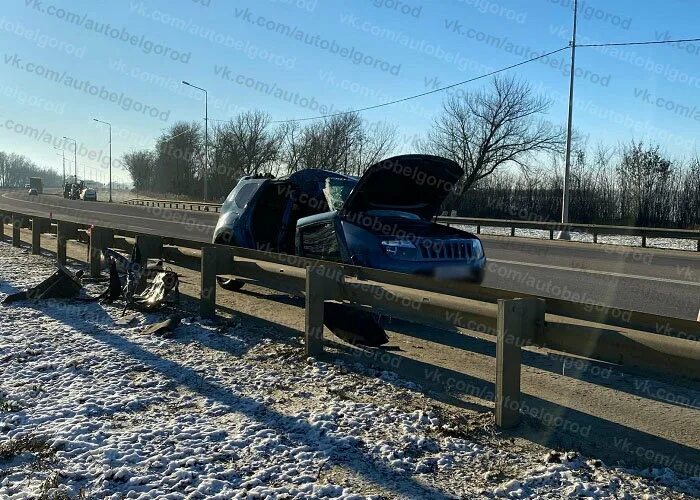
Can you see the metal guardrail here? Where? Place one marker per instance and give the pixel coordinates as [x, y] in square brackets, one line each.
[594, 229]
[552, 227]
[608, 334]
[197, 206]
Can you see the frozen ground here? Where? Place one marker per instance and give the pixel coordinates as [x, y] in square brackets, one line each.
[670, 243]
[90, 408]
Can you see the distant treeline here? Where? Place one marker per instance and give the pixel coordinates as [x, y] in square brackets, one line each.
[15, 171]
[634, 185]
[250, 144]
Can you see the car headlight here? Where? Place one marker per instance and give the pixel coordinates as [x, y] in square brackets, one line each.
[399, 248]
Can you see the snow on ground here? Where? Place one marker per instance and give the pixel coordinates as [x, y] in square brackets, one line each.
[610, 239]
[226, 410]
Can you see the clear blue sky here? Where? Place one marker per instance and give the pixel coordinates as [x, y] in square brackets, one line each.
[58, 54]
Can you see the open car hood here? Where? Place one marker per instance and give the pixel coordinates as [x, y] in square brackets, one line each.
[415, 184]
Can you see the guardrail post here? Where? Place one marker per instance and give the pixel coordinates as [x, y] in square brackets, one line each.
[39, 226]
[315, 295]
[644, 241]
[17, 221]
[101, 238]
[595, 237]
[519, 322]
[151, 247]
[551, 234]
[207, 304]
[478, 229]
[3, 216]
[64, 232]
[216, 260]
[512, 231]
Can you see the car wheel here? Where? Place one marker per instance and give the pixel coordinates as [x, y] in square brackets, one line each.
[230, 284]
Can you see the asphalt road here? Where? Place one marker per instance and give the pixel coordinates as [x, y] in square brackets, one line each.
[664, 282]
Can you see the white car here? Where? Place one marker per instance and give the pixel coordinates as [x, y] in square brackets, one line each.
[88, 194]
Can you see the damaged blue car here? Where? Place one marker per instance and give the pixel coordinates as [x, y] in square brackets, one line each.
[383, 220]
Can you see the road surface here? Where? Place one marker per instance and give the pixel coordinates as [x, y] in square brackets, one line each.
[665, 282]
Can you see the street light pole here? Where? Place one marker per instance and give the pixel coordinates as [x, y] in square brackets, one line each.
[206, 135]
[75, 157]
[63, 154]
[110, 156]
[564, 234]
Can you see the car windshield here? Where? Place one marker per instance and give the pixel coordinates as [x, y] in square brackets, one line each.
[337, 191]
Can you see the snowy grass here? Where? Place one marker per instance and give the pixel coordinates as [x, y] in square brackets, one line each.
[609, 239]
[227, 410]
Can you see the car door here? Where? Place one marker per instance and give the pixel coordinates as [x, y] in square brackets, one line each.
[321, 240]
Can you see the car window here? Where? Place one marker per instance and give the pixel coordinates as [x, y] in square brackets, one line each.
[319, 241]
[245, 193]
[337, 191]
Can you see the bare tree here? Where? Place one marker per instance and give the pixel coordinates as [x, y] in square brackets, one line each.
[376, 142]
[488, 129]
[249, 140]
[140, 165]
[343, 143]
[645, 174]
[292, 146]
[179, 159]
[15, 171]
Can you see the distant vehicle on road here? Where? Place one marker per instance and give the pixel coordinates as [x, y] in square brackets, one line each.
[384, 220]
[73, 190]
[32, 192]
[36, 183]
[88, 194]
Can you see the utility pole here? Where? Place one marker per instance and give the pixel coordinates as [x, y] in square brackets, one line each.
[564, 234]
[206, 136]
[63, 155]
[75, 157]
[110, 156]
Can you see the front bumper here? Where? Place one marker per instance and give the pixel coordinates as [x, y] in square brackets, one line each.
[452, 270]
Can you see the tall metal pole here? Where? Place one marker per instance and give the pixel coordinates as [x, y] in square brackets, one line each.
[63, 155]
[206, 142]
[110, 155]
[206, 135]
[75, 157]
[564, 235]
[110, 163]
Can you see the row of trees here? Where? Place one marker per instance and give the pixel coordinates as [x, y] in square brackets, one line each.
[499, 135]
[248, 145]
[15, 171]
[633, 184]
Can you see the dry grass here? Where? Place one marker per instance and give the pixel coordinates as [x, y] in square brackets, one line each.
[36, 445]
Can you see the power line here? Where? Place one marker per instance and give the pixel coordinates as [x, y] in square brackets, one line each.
[425, 93]
[650, 42]
[441, 89]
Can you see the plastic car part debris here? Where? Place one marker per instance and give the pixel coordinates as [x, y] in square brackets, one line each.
[164, 328]
[114, 290]
[125, 320]
[353, 325]
[60, 285]
[163, 285]
[158, 284]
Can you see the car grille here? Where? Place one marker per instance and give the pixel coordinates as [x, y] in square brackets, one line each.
[445, 249]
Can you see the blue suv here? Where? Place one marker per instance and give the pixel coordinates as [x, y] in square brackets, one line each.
[383, 220]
